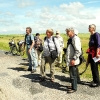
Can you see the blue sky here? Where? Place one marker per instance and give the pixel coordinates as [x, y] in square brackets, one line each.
[16, 15]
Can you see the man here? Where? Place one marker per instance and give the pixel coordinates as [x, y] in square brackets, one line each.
[61, 43]
[29, 42]
[72, 58]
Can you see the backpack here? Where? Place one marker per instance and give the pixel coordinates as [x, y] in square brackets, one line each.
[81, 57]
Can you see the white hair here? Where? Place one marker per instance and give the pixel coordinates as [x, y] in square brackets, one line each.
[76, 31]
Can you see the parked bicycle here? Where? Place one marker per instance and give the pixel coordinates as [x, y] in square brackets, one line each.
[16, 49]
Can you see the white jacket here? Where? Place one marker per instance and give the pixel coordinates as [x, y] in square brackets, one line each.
[73, 52]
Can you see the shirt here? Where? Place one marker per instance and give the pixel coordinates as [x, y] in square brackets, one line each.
[28, 39]
[94, 40]
[61, 42]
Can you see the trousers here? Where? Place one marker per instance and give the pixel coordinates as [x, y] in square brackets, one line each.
[51, 63]
[32, 57]
[74, 77]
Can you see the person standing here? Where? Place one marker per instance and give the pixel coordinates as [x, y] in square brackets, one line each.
[29, 42]
[50, 44]
[94, 51]
[61, 43]
[39, 47]
[72, 57]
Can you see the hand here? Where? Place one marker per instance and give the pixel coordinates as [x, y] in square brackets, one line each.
[72, 62]
[29, 50]
[97, 56]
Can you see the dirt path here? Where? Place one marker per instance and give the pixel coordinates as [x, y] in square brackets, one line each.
[18, 84]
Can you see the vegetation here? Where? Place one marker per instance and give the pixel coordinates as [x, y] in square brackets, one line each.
[4, 40]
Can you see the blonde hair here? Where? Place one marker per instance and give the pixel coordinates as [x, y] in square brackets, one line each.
[50, 31]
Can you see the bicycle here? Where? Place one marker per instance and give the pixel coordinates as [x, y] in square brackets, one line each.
[16, 49]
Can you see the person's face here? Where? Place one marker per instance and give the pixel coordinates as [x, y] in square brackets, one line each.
[38, 36]
[69, 33]
[28, 31]
[91, 29]
[57, 35]
[48, 34]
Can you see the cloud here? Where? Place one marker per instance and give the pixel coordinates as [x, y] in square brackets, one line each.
[29, 14]
[9, 14]
[96, 1]
[25, 3]
[72, 8]
[74, 14]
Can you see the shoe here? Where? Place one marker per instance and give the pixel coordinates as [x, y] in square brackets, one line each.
[69, 87]
[94, 85]
[52, 80]
[29, 69]
[71, 91]
[33, 71]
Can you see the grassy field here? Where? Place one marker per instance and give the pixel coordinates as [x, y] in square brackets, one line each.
[4, 40]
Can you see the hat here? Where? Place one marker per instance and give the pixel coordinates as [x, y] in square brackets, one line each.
[58, 32]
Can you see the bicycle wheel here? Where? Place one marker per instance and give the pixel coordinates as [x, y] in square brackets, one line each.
[21, 49]
[14, 50]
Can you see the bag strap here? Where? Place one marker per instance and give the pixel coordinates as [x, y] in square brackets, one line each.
[53, 42]
[70, 42]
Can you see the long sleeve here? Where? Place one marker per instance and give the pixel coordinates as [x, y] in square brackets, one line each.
[77, 46]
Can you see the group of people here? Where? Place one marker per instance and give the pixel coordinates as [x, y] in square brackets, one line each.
[40, 52]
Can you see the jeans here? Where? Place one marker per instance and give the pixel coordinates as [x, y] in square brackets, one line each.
[73, 76]
[32, 58]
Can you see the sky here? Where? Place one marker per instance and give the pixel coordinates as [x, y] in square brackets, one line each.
[16, 15]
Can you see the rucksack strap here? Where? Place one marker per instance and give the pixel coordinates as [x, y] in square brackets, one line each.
[53, 42]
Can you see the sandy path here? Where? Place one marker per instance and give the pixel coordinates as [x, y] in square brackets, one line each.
[18, 84]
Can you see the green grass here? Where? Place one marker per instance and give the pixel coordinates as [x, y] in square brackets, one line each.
[4, 40]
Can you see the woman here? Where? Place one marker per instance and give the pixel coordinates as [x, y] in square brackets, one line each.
[50, 44]
[38, 46]
[93, 51]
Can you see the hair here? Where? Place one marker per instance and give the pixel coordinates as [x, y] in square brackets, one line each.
[70, 29]
[50, 31]
[93, 26]
[37, 34]
[29, 29]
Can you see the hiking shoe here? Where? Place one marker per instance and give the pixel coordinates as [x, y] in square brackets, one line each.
[71, 91]
[29, 69]
[52, 80]
[33, 71]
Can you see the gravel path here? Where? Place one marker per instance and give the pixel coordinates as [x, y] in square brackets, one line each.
[18, 84]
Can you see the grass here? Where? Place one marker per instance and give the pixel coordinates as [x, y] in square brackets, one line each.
[4, 40]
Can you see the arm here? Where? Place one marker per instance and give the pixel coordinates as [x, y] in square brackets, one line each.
[32, 45]
[98, 44]
[77, 47]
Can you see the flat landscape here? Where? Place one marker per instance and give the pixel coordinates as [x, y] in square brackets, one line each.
[16, 83]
